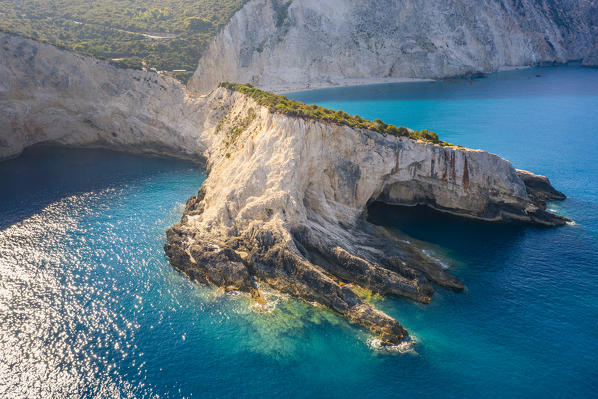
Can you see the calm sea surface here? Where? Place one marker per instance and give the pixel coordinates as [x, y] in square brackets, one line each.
[90, 307]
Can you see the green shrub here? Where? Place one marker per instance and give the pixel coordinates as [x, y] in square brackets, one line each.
[195, 24]
[236, 126]
[284, 105]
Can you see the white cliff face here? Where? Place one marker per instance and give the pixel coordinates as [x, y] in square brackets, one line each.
[285, 198]
[282, 45]
[334, 171]
[51, 95]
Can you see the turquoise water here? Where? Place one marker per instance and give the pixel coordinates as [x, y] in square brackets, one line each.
[89, 306]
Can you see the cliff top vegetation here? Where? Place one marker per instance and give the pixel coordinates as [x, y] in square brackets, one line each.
[167, 35]
[287, 106]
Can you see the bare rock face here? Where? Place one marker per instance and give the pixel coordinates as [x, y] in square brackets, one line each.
[283, 205]
[283, 45]
[591, 59]
[539, 188]
[52, 95]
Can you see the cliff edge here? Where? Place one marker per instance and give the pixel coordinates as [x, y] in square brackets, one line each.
[53, 95]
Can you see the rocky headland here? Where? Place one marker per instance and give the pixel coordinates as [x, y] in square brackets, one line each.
[284, 202]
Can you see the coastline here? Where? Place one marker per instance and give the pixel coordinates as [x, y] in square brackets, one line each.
[284, 90]
[297, 88]
[341, 83]
[514, 67]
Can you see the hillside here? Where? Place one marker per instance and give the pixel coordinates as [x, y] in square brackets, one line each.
[162, 34]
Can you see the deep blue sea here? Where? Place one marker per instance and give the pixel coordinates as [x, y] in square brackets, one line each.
[90, 307]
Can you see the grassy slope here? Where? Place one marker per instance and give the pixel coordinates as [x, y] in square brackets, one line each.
[287, 106]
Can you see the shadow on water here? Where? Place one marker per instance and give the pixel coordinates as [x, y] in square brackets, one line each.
[466, 238]
[44, 174]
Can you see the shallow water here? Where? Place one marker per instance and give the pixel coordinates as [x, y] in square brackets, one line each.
[90, 307]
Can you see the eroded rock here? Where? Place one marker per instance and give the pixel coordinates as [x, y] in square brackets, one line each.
[287, 199]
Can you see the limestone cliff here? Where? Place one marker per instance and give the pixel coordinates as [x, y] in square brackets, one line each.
[284, 45]
[284, 202]
[52, 95]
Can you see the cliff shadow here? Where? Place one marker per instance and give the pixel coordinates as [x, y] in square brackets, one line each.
[469, 239]
[45, 174]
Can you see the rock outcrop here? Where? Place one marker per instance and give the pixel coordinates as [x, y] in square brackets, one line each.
[591, 59]
[284, 45]
[284, 202]
[539, 188]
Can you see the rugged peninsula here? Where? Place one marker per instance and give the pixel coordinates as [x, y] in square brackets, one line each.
[287, 191]
[285, 200]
